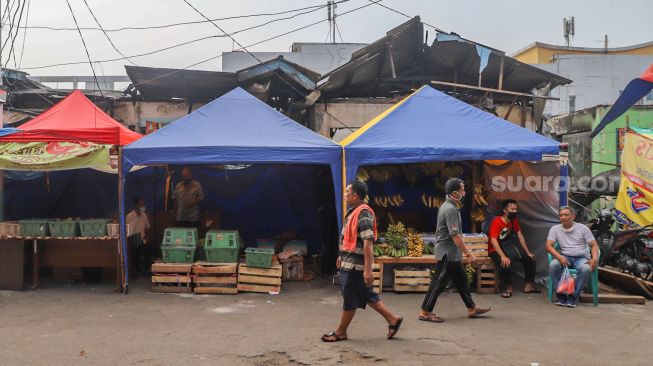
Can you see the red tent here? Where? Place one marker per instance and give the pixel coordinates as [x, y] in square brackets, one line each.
[74, 119]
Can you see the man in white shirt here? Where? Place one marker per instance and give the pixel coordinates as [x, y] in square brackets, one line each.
[577, 249]
[139, 239]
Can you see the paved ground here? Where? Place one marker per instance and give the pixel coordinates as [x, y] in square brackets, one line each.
[86, 325]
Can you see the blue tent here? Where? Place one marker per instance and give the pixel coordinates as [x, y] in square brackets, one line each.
[430, 126]
[236, 128]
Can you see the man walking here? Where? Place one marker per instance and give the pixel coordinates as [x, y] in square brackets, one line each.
[355, 263]
[449, 247]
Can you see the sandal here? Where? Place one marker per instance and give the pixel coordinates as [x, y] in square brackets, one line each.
[506, 295]
[478, 311]
[334, 338]
[430, 318]
[533, 291]
[394, 328]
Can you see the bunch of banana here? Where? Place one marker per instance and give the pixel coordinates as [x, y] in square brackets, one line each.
[431, 201]
[431, 168]
[415, 244]
[454, 171]
[389, 201]
[383, 173]
[470, 273]
[362, 175]
[396, 252]
[378, 250]
[478, 195]
[478, 215]
[429, 248]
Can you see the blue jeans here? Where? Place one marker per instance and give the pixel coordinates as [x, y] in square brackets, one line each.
[580, 264]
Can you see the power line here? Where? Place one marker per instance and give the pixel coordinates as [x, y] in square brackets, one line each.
[22, 49]
[13, 41]
[408, 16]
[106, 35]
[338, 29]
[173, 46]
[250, 45]
[315, 7]
[85, 48]
[11, 25]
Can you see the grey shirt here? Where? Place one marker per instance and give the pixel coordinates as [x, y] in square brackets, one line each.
[573, 242]
[449, 223]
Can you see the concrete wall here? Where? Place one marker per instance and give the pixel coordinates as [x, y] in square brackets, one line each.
[597, 79]
[320, 58]
[134, 114]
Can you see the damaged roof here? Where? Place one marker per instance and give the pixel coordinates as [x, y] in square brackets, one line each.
[401, 58]
[285, 77]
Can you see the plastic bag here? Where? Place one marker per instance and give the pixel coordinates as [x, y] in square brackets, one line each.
[567, 284]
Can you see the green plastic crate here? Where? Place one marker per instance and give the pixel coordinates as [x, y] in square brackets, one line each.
[180, 236]
[63, 228]
[93, 228]
[221, 255]
[256, 257]
[34, 227]
[222, 239]
[178, 253]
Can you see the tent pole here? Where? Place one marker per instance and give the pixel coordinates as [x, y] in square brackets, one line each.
[122, 231]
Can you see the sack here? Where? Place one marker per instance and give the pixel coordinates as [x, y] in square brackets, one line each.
[511, 247]
[567, 284]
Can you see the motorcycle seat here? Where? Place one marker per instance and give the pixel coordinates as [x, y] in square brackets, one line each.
[624, 232]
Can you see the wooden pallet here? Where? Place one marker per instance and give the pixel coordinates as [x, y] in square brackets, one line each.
[411, 280]
[263, 280]
[486, 279]
[215, 278]
[172, 277]
[376, 271]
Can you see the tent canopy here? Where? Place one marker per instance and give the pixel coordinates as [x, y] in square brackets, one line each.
[74, 119]
[431, 126]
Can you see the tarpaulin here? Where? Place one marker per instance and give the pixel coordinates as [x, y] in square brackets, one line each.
[8, 131]
[431, 126]
[52, 155]
[633, 206]
[73, 119]
[531, 184]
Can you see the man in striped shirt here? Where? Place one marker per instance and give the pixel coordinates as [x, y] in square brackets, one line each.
[355, 263]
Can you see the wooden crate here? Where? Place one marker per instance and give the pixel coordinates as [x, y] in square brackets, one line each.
[263, 280]
[292, 269]
[477, 244]
[215, 278]
[376, 271]
[411, 280]
[172, 277]
[486, 279]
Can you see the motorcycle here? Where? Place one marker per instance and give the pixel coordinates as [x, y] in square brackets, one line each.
[630, 250]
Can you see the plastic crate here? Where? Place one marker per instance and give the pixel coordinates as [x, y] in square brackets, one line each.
[221, 255]
[93, 228]
[222, 239]
[256, 257]
[180, 236]
[113, 230]
[34, 227]
[9, 229]
[178, 253]
[63, 228]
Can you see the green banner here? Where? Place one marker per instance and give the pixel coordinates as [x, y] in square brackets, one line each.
[52, 155]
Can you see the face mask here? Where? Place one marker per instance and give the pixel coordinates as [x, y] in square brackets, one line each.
[512, 215]
[568, 230]
[186, 180]
[141, 209]
[460, 196]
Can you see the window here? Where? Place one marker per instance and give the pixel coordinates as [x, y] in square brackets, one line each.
[572, 103]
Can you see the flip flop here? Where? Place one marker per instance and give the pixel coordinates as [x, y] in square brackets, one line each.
[534, 291]
[336, 338]
[430, 318]
[506, 295]
[395, 328]
[478, 311]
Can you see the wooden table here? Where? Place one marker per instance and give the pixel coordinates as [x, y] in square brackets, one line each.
[104, 252]
[425, 259]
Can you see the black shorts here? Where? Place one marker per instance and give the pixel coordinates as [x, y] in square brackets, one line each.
[354, 291]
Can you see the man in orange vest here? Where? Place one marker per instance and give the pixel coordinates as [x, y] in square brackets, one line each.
[355, 263]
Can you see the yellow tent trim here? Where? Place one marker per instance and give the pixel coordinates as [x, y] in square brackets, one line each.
[349, 139]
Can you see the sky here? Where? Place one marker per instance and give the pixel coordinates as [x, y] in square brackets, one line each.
[508, 25]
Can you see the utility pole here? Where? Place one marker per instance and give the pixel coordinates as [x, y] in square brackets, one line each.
[331, 11]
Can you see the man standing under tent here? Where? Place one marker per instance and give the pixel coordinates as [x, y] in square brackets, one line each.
[449, 247]
[139, 222]
[355, 264]
[187, 196]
